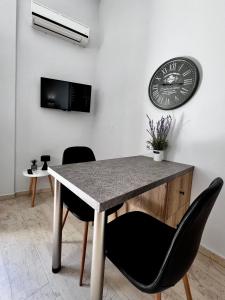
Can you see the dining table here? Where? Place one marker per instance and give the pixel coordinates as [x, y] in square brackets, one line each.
[104, 184]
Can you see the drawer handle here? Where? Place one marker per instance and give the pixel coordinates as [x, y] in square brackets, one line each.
[181, 192]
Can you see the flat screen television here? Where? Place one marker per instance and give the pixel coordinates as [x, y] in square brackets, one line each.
[65, 95]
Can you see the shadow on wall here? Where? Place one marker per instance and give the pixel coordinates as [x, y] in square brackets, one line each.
[205, 154]
[199, 69]
[175, 133]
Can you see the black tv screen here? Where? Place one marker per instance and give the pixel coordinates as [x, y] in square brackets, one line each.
[65, 95]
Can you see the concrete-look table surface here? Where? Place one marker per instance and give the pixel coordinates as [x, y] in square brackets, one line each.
[104, 184]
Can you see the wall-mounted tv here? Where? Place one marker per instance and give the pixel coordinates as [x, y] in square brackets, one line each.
[65, 95]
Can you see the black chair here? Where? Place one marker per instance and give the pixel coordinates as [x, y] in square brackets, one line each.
[154, 256]
[73, 203]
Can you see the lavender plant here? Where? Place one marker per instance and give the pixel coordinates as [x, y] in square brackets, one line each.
[158, 133]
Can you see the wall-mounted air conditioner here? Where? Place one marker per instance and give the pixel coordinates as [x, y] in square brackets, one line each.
[49, 21]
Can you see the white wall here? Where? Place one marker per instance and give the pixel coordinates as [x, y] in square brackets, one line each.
[7, 94]
[39, 130]
[120, 72]
[199, 133]
[136, 39]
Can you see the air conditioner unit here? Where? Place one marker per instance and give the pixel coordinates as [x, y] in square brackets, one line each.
[49, 21]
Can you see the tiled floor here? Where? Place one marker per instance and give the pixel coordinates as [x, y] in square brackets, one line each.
[25, 261]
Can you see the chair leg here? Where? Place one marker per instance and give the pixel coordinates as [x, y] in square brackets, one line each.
[116, 214]
[158, 296]
[83, 252]
[65, 217]
[187, 287]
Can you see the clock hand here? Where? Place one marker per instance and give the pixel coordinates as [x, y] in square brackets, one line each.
[180, 83]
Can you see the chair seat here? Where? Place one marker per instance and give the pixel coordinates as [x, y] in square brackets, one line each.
[125, 237]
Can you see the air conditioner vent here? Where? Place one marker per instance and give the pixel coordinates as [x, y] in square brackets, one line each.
[47, 20]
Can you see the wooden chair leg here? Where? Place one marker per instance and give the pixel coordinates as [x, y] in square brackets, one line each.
[50, 182]
[34, 191]
[65, 217]
[158, 296]
[83, 252]
[187, 287]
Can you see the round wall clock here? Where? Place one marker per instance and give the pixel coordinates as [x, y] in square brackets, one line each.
[173, 83]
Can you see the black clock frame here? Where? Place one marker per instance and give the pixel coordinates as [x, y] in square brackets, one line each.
[188, 60]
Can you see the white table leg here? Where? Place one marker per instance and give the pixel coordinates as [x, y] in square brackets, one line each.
[98, 257]
[57, 229]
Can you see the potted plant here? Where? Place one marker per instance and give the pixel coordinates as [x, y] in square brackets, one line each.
[158, 136]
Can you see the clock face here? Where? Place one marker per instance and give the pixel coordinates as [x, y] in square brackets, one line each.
[173, 83]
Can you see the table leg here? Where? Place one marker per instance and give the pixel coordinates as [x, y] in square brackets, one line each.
[50, 182]
[98, 256]
[34, 191]
[31, 186]
[57, 230]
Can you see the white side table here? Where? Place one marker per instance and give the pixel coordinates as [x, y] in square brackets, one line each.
[33, 182]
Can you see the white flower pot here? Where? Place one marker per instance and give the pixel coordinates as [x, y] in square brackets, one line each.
[158, 155]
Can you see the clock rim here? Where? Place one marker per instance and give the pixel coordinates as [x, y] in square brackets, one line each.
[193, 91]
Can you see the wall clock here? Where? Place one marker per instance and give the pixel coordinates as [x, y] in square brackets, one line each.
[173, 83]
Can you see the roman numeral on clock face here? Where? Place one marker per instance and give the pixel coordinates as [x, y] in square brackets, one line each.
[167, 102]
[160, 99]
[155, 86]
[173, 66]
[155, 94]
[187, 72]
[164, 71]
[184, 91]
[180, 67]
[188, 81]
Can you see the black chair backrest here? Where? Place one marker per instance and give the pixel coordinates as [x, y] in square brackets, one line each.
[77, 155]
[186, 241]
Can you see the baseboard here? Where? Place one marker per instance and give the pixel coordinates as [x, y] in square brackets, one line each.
[215, 257]
[7, 197]
[24, 193]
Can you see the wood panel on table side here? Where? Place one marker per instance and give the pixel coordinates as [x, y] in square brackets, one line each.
[178, 194]
[167, 202]
[175, 219]
[152, 202]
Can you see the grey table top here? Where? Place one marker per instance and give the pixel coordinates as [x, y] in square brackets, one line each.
[105, 183]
